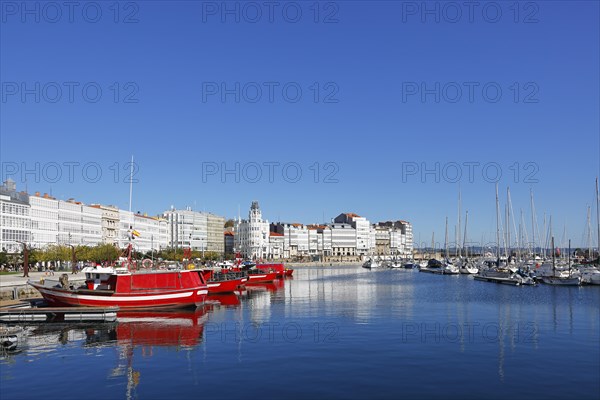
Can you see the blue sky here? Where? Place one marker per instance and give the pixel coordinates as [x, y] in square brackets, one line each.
[362, 120]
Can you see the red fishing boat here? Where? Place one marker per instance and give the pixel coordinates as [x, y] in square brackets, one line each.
[223, 282]
[258, 276]
[126, 288]
[279, 268]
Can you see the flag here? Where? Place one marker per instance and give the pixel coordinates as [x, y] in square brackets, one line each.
[135, 233]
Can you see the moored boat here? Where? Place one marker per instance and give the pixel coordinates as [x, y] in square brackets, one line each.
[279, 268]
[223, 282]
[257, 276]
[124, 288]
[370, 263]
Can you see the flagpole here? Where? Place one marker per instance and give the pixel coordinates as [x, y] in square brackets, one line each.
[130, 183]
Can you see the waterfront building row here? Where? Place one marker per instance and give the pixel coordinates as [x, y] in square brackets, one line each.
[42, 220]
[348, 236]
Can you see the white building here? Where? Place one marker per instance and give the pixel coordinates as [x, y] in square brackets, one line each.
[152, 232]
[110, 223]
[276, 245]
[295, 238]
[362, 228]
[78, 224]
[325, 240]
[398, 238]
[314, 237]
[215, 226]
[15, 218]
[199, 231]
[252, 235]
[44, 220]
[343, 240]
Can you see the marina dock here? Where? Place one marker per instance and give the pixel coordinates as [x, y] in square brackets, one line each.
[21, 313]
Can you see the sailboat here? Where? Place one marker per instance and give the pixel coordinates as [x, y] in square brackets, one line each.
[570, 280]
[448, 268]
[500, 272]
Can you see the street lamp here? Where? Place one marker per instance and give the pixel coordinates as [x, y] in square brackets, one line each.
[73, 259]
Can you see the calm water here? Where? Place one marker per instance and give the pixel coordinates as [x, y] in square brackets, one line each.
[340, 332]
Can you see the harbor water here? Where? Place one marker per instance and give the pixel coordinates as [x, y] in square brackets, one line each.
[330, 332]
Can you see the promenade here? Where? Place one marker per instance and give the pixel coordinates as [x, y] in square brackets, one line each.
[19, 280]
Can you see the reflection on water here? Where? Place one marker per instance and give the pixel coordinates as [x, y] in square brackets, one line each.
[327, 324]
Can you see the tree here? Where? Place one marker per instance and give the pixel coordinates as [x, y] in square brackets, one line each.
[3, 257]
[229, 223]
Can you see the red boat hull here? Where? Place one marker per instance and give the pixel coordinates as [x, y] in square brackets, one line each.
[279, 268]
[220, 285]
[228, 286]
[261, 277]
[139, 290]
[171, 299]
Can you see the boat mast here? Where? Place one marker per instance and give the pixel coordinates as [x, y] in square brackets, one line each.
[465, 236]
[598, 217]
[446, 239]
[497, 226]
[433, 243]
[532, 223]
[545, 239]
[553, 261]
[508, 219]
[551, 233]
[589, 232]
[569, 258]
[458, 244]
[130, 183]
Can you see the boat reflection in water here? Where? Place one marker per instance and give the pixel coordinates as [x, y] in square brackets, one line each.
[182, 329]
[273, 286]
[229, 300]
[162, 328]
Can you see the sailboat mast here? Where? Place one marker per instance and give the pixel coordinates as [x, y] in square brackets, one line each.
[446, 239]
[589, 232]
[130, 183]
[569, 258]
[545, 240]
[497, 225]
[458, 244]
[508, 219]
[598, 217]
[553, 261]
[465, 236]
[532, 222]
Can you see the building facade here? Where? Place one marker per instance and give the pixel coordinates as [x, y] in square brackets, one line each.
[44, 220]
[15, 218]
[214, 227]
[110, 223]
[252, 234]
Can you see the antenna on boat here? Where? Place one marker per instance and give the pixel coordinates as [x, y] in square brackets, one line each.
[130, 183]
